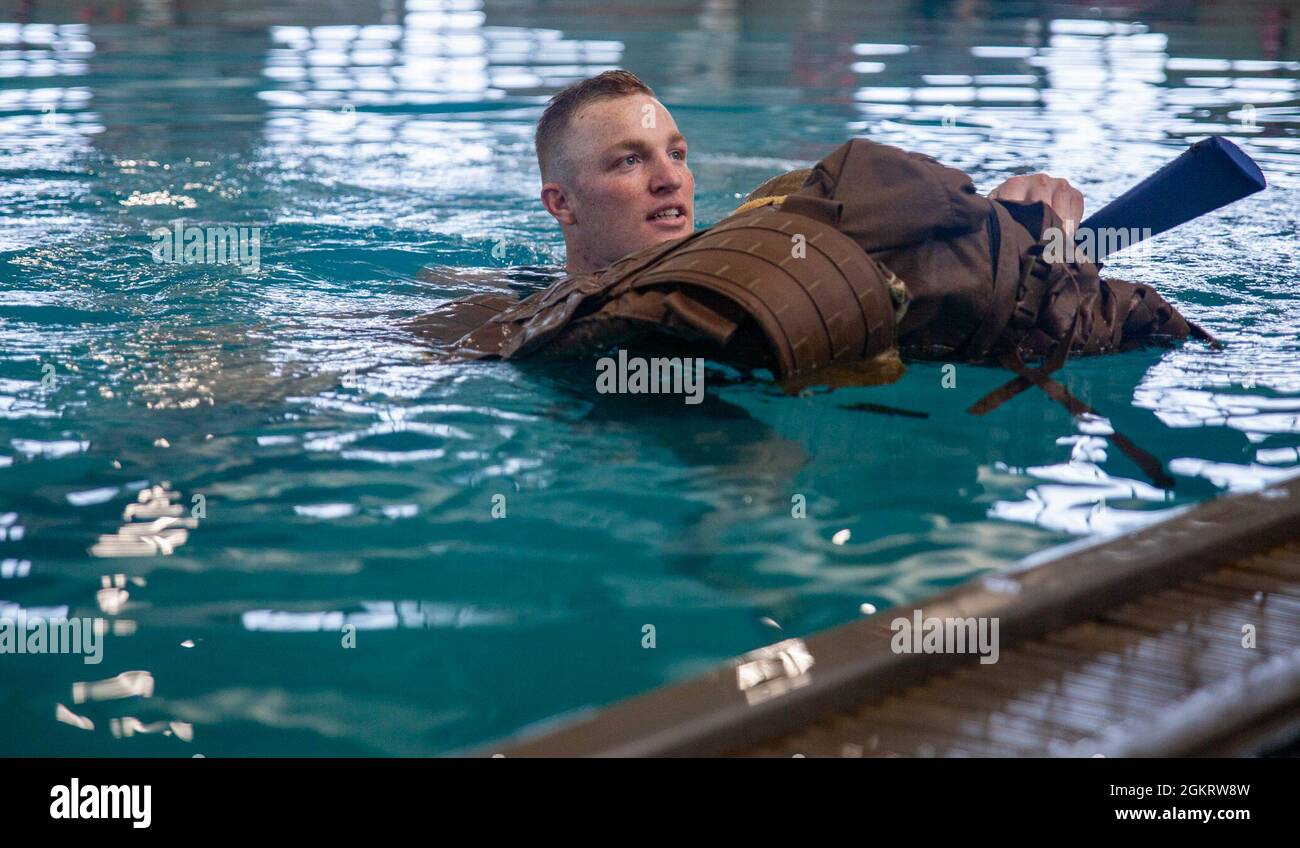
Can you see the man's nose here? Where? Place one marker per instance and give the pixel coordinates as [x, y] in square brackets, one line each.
[665, 175]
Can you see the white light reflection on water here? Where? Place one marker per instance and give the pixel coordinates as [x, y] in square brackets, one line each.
[375, 615]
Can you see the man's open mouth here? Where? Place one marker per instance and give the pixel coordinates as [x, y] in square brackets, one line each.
[668, 213]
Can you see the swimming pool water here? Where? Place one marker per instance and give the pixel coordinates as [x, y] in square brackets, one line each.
[499, 535]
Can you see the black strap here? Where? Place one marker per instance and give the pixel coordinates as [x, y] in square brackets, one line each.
[994, 227]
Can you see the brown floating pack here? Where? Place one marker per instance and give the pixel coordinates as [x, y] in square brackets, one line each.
[974, 267]
[769, 287]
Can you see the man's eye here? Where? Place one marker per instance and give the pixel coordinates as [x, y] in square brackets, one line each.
[680, 154]
[630, 159]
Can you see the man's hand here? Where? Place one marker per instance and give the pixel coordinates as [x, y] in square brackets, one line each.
[1064, 199]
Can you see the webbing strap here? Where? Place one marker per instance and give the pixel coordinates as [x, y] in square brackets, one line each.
[1013, 362]
[1026, 377]
[1150, 466]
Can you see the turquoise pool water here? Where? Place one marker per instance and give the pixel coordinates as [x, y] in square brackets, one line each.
[336, 475]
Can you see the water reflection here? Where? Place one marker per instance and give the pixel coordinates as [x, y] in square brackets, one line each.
[128, 684]
[163, 530]
[1081, 498]
[375, 615]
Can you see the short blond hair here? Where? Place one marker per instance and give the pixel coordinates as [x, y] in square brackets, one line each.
[563, 106]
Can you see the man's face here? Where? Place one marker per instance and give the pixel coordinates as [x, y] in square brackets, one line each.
[627, 185]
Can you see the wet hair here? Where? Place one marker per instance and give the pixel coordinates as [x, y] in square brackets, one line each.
[563, 106]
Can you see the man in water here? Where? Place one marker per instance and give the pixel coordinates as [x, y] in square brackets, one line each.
[947, 275]
[615, 174]
[873, 254]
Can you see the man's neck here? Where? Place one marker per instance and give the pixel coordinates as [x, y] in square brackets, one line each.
[572, 266]
[578, 261]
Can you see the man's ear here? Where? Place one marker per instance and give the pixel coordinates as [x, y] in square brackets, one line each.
[556, 201]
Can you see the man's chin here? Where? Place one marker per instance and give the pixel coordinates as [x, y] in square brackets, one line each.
[659, 233]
